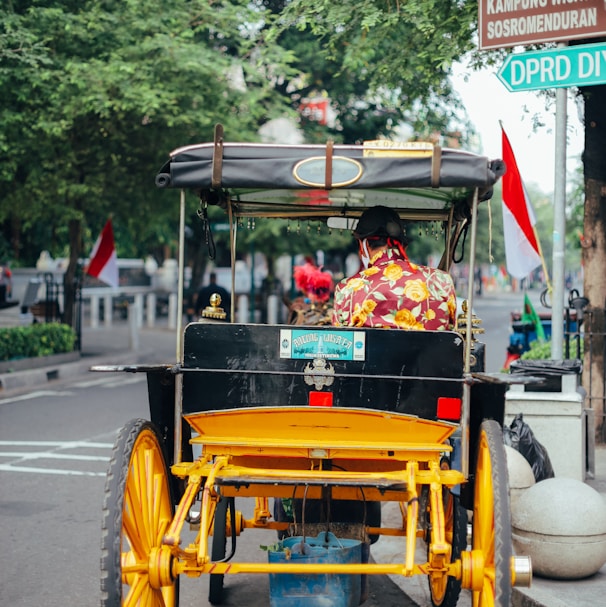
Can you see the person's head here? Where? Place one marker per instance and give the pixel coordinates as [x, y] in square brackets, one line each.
[213, 277]
[379, 227]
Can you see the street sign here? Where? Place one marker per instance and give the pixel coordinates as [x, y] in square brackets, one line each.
[503, 23]
[582, 65]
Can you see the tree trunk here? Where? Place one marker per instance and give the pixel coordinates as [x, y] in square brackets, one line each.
[70, 282]
[594, 248]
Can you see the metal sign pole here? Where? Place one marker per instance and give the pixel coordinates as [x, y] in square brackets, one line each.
[559, 225]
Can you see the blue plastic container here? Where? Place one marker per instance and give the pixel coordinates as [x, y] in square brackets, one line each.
[327, 590]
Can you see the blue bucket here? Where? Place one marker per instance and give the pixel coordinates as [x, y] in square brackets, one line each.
[328, 590]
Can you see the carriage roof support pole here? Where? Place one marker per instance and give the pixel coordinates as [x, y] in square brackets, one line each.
[179, 377]
[232, 251]
[446, 259]
[181, 274]
[465, 415]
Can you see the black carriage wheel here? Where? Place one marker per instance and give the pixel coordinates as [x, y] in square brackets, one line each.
[491, 518]
[137, 510]
[218, 550]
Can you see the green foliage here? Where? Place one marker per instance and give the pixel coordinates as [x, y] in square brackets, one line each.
[36, 340]
[538, 351]
[96, 94]
[400, 53]
[542, 350]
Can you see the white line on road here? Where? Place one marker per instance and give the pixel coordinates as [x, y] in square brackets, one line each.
[59, 444]
[109, 382]
[31, 395]
[53, 455]
[10, 468]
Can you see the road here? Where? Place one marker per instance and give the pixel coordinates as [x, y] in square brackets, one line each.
[55, 446]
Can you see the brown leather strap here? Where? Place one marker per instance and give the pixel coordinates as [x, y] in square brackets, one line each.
[328, 165]
[436, 162]
[217, 158]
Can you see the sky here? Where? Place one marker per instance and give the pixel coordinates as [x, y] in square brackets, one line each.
[487, 101]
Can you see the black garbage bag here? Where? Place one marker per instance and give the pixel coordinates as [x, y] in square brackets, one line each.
[520, 437]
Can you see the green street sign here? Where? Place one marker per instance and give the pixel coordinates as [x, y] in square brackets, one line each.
[583, 65]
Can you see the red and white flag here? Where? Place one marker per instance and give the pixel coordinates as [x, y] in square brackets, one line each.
[522, 251]
[103, 262]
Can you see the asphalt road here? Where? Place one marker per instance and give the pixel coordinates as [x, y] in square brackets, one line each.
[55, 445]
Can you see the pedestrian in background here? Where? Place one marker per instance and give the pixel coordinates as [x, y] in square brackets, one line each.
[204, 294]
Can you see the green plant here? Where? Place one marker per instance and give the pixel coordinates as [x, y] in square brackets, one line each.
[542, 350]
[36, 340]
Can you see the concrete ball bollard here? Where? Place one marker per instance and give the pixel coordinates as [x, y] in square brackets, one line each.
[561, 524]
[520, 474]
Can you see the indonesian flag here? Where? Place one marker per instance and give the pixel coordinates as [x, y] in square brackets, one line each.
[103, 259]
[521, 247]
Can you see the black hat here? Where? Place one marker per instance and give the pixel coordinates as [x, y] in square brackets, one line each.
[380, 221]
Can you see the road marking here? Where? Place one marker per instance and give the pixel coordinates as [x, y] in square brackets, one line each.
[104, 382]
[53, 455]
[30, 395]
[109, 381]
[59, 444]
[21, 456]
[10, 468]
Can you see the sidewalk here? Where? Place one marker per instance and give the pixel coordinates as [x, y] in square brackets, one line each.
[543, 592]
[113, 345]
[117, 345]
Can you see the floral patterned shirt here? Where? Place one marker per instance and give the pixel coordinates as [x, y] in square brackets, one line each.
[394, 292]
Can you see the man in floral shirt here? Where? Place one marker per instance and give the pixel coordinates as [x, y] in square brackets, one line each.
[392, 291]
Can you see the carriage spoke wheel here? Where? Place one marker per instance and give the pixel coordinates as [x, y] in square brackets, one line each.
[444, 589]
[137, 510]
[491, 519]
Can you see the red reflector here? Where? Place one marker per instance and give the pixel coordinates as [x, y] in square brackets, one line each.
[320, 399]
[449, 408]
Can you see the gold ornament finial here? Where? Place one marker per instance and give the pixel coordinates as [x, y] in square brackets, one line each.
[214, 310]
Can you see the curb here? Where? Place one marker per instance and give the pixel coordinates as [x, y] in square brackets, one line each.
[41, 376]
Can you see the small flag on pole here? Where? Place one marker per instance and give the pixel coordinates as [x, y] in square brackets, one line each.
[103, 262]
[522, 250]
[530, 316]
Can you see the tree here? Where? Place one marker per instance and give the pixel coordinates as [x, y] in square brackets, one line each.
[594, 237]
[409, 47]
[94, 95]
[344, 51]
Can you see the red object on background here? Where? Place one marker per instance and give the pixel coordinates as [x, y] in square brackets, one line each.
[511, 356]
[315, 284]
[522, 252]
[103, 262]
[315, 109]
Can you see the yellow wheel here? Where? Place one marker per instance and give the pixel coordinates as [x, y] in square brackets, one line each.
[445, 590]
[137, 510]
[491, 519]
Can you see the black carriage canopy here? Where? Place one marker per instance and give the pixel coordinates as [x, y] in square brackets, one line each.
[422, 181]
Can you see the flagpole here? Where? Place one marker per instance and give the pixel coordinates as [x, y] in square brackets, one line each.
[559, 224]
[547, 281]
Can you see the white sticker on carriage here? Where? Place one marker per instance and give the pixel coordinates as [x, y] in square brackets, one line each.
[314, 343]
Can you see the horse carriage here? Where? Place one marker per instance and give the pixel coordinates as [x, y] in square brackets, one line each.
[342, 418]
